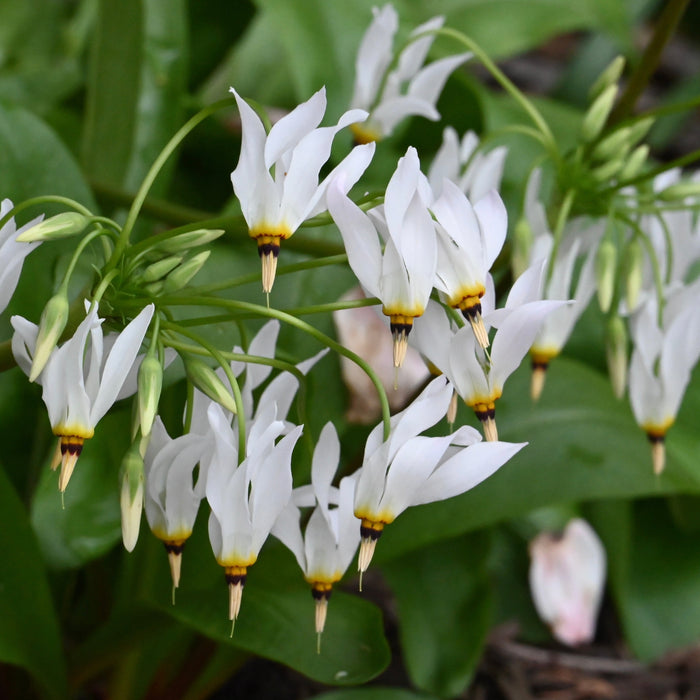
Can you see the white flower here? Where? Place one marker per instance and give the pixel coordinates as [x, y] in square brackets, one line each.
[409, 469]
[474, 172]
[80, 380]
[331, 537]
[662, 360]
[407, 90]
[477, 379]
[274, 204]
[171, 496]
[469, 240]
[567, 577]
[247, 498]
[12, 253]
[402, 276]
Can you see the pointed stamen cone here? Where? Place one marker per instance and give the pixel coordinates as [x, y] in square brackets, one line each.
[658, 455]
[367, 547]
[57, 457]
[452, 409]
[268, 250]
[320, 615]
[490, 430]
[71, 447]
[539, 374]
[480, 333]
[235, 595]
[400, 348]
[400, 327]
[175, 562]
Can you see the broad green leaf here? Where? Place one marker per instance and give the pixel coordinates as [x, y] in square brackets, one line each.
[277, 623]
[113, 90]
[89, 524]
[375, 692]
[583, 445]
[656, 589]
[29, 635]
[445, 604]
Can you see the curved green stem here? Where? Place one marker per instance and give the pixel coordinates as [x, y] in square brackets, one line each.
[301, 325]
[102, 288]
[78, 252]
[507, 85]
[154, 172]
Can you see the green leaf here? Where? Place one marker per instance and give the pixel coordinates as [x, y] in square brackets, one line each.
[90, 523]
[656, 589]
[278, 624]
[29, 635]
[445, 603]
[583, 445]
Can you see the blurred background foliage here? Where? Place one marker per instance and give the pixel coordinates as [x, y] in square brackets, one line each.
[90, 91]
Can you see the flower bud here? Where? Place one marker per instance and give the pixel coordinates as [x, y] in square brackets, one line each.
[605, 264]
[634, 261]
[182, 274]
[680, 191]
[150, 383]
[522, 245]
[157, 270]
[640, 128]
[189, 239]
[567, 577]
[614, 145]
[616, 353]
[634, 163]
[597, 114]
[53, 322]
[611, 74]
[205, 379]
[63, 225]
[604, 172]
[131, 497]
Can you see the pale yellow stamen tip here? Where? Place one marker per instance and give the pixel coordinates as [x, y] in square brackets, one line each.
[658, 456]
[320, 615]
[175, 561]
[539, 374]
[269, 270]
[235, 595]
[479, 329]
[452, 409]
[490, 430]
[367, 547]
[400, 348]
[57, 457]
[67, 466]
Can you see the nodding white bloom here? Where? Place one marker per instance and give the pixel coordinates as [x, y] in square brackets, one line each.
[402, 276]
[567, 578]
[409, 469]
[478, 381]
[80, 380]
[474, 172]
[247, 498]
[280, 391]
[172, 494]
[409, 89]
[363, 331]
[662, 360]
[274, 204]
[12, 253]
[469, 239]
[330, 539]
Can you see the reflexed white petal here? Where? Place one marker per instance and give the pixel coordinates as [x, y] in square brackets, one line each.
[119, 362]
[484, 173]
[391, 111]
[320, 547]
[428, 83]
[324, 464]
[432, 335]
[24, 343]
[465, 371]
[348, 526]
[456, 215]
[446, 163]
[399, 193]
[414, 55]
[463, 471]
[288, 531]
[644, 392]
[493, 222]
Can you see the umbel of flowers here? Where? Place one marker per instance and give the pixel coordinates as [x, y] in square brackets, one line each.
[425, 250]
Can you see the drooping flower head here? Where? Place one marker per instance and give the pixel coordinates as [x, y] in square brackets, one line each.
[276, 179]
[402, 275]
[12, 253]
[331, 536]
[172, 494]
[567, 577]
[409, 89]
[80, 380]
[662, 360]
[410, 469]
[247, 498]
